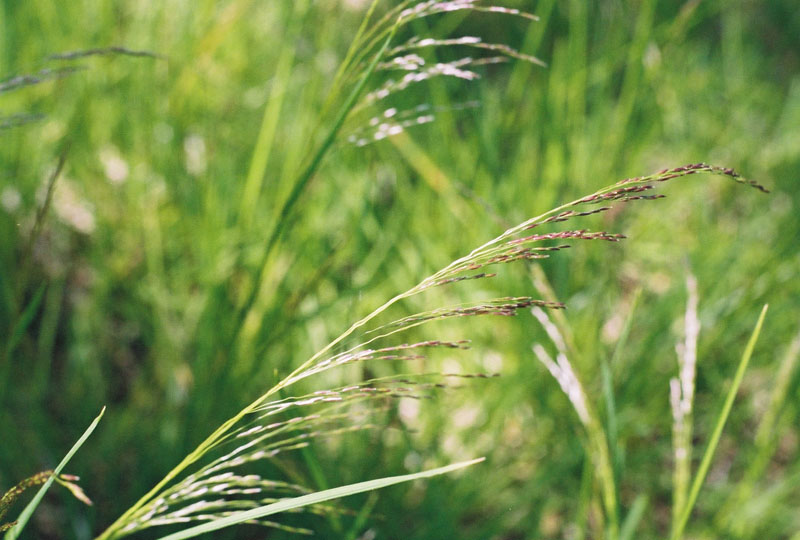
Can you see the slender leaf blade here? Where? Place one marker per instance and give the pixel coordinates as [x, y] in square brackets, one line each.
[705, 463]
[25, 319]
[314, 498]
[26, 514]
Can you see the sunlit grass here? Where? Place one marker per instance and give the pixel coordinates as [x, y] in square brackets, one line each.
[150, 288]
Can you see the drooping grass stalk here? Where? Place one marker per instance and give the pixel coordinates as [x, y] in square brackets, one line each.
[23, 318]
[722, 418]
[46, 74]
[355, 46]
[515, 244]
[106, 51]
[41, 215]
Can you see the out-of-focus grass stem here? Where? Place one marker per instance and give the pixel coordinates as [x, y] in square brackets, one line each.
[722, 418]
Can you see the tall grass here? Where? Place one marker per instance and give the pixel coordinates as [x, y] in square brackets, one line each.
[241, 197]
[253, 434]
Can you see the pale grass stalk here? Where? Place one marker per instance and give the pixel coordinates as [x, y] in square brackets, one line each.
[705, 462]
[598, 450]
[682, 398]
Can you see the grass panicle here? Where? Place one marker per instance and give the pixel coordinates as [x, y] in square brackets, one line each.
[287, 505]
[255, 436]
[246, 471]
[408, 58]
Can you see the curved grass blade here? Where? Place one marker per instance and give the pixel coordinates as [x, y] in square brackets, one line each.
[705, 464]
[26, 514]
[314, 498]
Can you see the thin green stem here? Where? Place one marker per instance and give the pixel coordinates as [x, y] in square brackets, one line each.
[769, 431]
[705, 464]
[272, 111]
[299, 186]
[351, 52]
[601, 457]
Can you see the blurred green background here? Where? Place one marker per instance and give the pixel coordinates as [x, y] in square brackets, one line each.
[158, 222]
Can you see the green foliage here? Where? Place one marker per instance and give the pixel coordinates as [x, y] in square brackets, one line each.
[196, 251]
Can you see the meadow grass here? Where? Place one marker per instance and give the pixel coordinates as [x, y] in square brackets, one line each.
[160, 287]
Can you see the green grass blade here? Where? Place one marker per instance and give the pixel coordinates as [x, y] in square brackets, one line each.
[16, 334]
[314, 498]
[611, 421]
[272, 113]
[305, 177]
[351, 52]
[717, 433]
[633, 518]
[769, 431]
[26, 514]
[25, 319]
[361, 518]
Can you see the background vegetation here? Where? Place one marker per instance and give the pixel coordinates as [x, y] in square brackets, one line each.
[176, 166]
